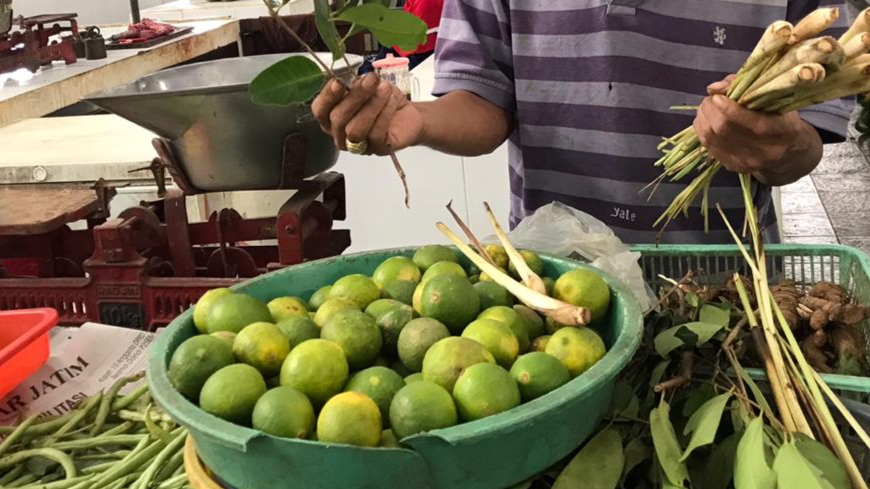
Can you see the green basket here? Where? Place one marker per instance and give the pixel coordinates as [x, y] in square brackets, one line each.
[491, 453]
[805, 264]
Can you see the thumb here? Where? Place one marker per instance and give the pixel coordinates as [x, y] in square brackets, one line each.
[720, 87]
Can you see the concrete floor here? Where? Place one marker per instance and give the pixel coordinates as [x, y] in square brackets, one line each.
[832, 205]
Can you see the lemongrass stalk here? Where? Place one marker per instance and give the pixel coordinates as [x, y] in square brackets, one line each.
[801, 76]
[746, 82]
[813, 24]
[844, 411]
[856, 46]
[822, 50]
[861, 24]
[530, 279]
[833, 94]
[775, 37]
[764, 102]
[562, 312]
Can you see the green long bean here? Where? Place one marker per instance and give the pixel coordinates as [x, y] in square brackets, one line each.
[125, 401]
[108, 401]
[118, 430]
[11, 475]
[76, 419]
[168, 451]
[96, 442]
[13, 437]
[23, 480]
[44, 428]
[55, 455]
[61, 484]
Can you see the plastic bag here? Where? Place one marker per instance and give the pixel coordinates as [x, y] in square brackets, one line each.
[560, 230]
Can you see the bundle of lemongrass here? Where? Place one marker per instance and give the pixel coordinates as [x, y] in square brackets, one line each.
[789, 69]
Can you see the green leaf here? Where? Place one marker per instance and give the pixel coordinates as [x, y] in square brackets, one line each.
[636, 452]
[794, 471]
[597, 466]
[667, 341]
[739, 416]
[293, 80]
[667, 447]
[673, 338]
[720, 469]
[697, 397]
[750, 465]
[756, 391]
[390, 27]
[704, 424]
[824, 460]
[326, 29]
[692, 299]
[658, 372]
[622, 393]
[714, 315]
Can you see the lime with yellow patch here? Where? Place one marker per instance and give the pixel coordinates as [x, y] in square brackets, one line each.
[420, 407]
[512, 320]
[496, 337]
[382, 306]
[396, 269]
[380, 384]
[262, 346]
[540, 343]
[538, 373]
[317, 368]
[350, 418]
[483, 390]
[498, 254]
[203, 305]
[416, 338]
[232, 392]
[357, 288]
[577, 348]
[449, 357]
[227, 337]
[444, 268]
[332, 307]
[450, 299]
[584, 288]
[284, 412]
[319, 296]
[284, 307]
[427, 256]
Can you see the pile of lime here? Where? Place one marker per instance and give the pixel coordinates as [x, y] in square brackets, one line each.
[422, 344]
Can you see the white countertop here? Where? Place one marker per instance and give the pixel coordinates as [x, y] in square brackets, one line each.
[25, 95]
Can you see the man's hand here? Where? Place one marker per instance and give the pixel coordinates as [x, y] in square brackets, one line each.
[374, 111]
[775, 149]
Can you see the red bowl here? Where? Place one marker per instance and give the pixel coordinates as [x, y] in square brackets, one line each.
[24, 344]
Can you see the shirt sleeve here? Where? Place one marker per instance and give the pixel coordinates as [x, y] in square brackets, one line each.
[473, 51]
[832, 118]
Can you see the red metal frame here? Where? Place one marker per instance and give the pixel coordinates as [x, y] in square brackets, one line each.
[31, 46]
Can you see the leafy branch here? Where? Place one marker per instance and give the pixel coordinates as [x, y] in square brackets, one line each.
[299, 79]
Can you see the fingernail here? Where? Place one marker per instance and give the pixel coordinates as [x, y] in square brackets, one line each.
[370, 81]
[384, 88]
[716, 86]
[335, 87]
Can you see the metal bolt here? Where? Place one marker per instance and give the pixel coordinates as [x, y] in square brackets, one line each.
[289, 229]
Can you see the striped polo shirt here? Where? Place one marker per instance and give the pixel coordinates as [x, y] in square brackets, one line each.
[591, 83]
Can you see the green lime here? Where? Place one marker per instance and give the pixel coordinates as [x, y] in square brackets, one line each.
[382, 306]
[444, 268]
[577, 348]
[584, 288]
[391, 325]
[483, 390]
[357, 288]
[350, 418]
[388, 440]
[357, 334]
[396, 269]
[492, 294]
[402, 291]
[451, 300]
[548, 285]
[540, 343]
[284, 412]
[538, 373]
[262, 346]
[496, 337]
[427, 256]
[416, 338]
[332, 307]
[298, 329]
[284, 307]
[319, 296]
[419, 407]
[534, 321]
[317, 368]
[203, 305]
[232, 392]
[232, 312]
[195, 360]
[380, 384]
[498, 254]
[415, 377]
[512, 320]
[227, 337]
[447, 358]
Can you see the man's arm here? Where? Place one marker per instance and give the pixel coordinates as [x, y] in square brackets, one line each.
[463, 124]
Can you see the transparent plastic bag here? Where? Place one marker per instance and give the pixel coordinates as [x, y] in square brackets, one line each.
[560, 230]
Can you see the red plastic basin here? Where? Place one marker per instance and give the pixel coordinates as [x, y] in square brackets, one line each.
[24, 344]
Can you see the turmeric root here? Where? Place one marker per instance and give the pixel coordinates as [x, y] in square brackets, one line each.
[846, 314]
[786, 296]
[812, 348]
[731, 290]
[830, 292]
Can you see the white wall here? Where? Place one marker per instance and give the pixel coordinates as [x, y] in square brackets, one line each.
[89, 11]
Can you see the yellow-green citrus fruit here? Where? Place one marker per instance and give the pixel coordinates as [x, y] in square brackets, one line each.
[532, 260]
[284, 307]
[317, 368]
[496, 337]
[577, 348]
[415, 377]
[512, 320]
[540, 343]
[498, 254]
[350, 418]
[483, 390]
[396, 269]
[227, 337]
[416, 338]
[382, 306]
[357, 288]
[232, 312]
[534, 321]
[420, 407]
[447, 358]
[402, 291]
[320, 296]
[332, 307]
[203, 305]
[391, 325]
[298, 329]
[427, 256]
[584, 288]
[451, 300]
[358, 336]
[262, 346]
[492, 294]
[380, 384]
[388, 440]
[232, 392]
[444, 268]
[538, 373]
[284, 412]
[195, 360]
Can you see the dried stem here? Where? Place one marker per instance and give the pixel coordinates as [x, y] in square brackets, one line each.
[687, 365]
[470, 235]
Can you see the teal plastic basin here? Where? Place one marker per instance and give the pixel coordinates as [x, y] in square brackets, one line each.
[492, 453]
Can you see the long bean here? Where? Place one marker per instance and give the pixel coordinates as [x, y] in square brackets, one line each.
[13, 437]
[44, 428]
[61, 484]
[11, 475]
[117, 430]
[94, 457]
[76, 419]
[125, 401]
[174, 481]
[23, 480]
[50, 453]
[108, 401]
[168, 451]
[129, 464]
[100, 441]
[169, 468]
